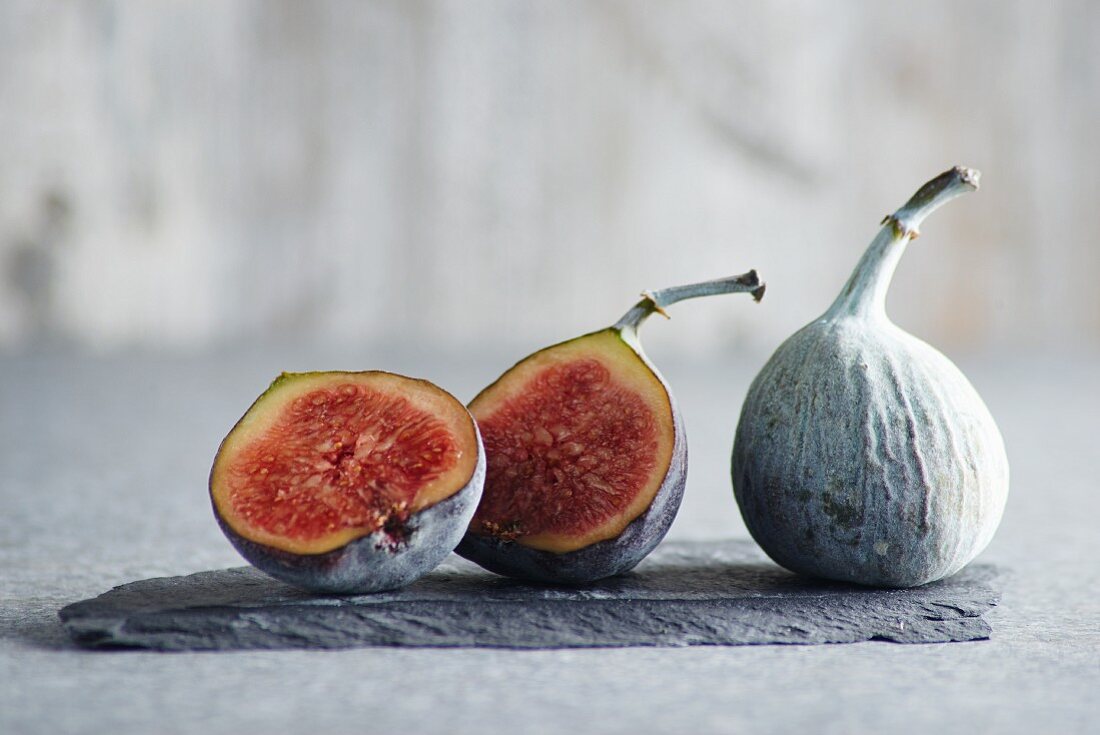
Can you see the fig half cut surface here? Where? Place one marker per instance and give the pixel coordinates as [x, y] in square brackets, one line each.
[587, 456]
[348, 481]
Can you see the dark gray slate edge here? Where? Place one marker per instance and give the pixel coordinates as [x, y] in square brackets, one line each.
[695, 597]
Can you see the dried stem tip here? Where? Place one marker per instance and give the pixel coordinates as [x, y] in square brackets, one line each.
[935, 193]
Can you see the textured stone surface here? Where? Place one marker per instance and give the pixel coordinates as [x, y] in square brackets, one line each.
[685, 594]
[103, 467]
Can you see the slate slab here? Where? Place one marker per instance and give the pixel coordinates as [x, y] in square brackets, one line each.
[684, 594]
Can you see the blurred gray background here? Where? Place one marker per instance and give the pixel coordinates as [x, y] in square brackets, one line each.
[187, 176]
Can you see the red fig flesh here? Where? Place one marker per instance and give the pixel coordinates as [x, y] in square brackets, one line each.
[580, 437]
[322, 462]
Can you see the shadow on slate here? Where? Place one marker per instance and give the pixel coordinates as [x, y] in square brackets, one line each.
[684, 594]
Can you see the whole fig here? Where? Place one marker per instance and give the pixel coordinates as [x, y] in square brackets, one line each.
[862, 453]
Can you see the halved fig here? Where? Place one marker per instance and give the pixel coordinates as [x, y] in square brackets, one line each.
[348, 482]
[587, 457]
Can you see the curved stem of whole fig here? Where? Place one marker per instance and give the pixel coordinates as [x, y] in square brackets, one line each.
[865, 291]
[656, 301]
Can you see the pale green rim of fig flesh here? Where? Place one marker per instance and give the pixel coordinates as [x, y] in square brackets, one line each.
[618, 350]
[265, 424]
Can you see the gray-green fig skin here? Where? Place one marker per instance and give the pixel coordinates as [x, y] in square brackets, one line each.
[862, 453]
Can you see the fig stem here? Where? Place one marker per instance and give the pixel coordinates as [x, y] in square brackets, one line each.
[865, 292]
[656, 301]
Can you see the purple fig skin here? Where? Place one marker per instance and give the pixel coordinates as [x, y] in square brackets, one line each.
[604, 558]
[383, 560]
